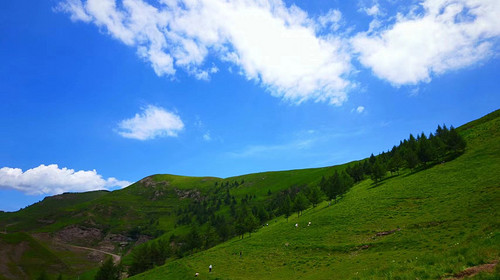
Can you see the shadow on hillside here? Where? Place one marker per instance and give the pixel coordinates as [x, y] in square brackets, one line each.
[445, 160]
[381, 182]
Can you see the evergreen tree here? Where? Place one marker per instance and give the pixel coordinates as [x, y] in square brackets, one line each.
[396, 162]
[314, 195]
[286, 207]
[224, 230]
[108, 271]
[438, 146]
[193, 239]
[426, 152]
[455, 142]
[332, 186]
[300, 203]
[346, 182]
[42, 276]
[210, 237]
[251, 223]
[140, 260]
[378, 171]
[411, 158]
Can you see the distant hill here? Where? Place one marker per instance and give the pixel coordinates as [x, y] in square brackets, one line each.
[433, 223]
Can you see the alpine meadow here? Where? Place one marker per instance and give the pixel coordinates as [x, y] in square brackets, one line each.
[434, 219]
[249, 139]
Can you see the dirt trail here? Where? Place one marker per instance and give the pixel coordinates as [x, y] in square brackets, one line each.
[116, 258]
[471, 271]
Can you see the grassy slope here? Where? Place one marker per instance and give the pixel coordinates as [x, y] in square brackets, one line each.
[137, 205]
[50, 209]
[448, 216]
[24, 257]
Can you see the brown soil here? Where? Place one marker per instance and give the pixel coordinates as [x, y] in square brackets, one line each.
[383, 233]
[471, 271]
[79, 235]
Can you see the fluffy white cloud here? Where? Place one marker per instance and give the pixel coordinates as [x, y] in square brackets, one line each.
[446, 35]
[272, 44]
[50, 179]
[360, 109]
[152, 122]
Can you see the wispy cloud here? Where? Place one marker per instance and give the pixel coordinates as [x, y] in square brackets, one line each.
[302, 143]
[207, 137]
[433, 38]
[272, 44]
[50, 179]
[271, 150]
[360, 109]
[152, 122]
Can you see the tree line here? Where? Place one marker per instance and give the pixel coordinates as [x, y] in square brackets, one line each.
[221, 215]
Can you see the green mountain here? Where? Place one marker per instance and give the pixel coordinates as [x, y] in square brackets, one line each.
[433, 221]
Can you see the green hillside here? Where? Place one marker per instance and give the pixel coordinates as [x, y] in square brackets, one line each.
[430, 224]
[24, 257]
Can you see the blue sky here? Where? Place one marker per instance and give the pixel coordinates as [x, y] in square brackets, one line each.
[98, 94]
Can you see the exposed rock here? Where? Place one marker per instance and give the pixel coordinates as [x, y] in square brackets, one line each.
[78, 235]
[142, 239]
[194, 194]
[148, 182]
[157, 194]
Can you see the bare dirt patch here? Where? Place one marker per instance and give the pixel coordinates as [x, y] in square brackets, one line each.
[78, 235]
[384, 233]
[471, 271]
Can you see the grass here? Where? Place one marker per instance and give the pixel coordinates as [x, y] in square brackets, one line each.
[444, 219]
[447, 218]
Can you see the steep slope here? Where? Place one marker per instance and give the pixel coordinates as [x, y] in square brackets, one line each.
[413, 213]
[430, 224]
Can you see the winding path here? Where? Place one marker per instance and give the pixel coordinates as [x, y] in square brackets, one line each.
[116, 258]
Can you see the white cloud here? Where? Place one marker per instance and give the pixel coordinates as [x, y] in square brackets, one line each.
[360, 109]
[50, 179]
[207, 137]
[151, 123]
[272, 44]
[447, 35]
[372, 11]
[331, 19]
[75, 8]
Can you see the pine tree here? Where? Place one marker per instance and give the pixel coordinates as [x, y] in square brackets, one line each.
[411, 158]
[426, 152]
[378, 171]
[300, 203]
[314, 195]
[455, 142]
[42, 276]
[396, 162]
[286, 207]
[108, 271]
[251, 223]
